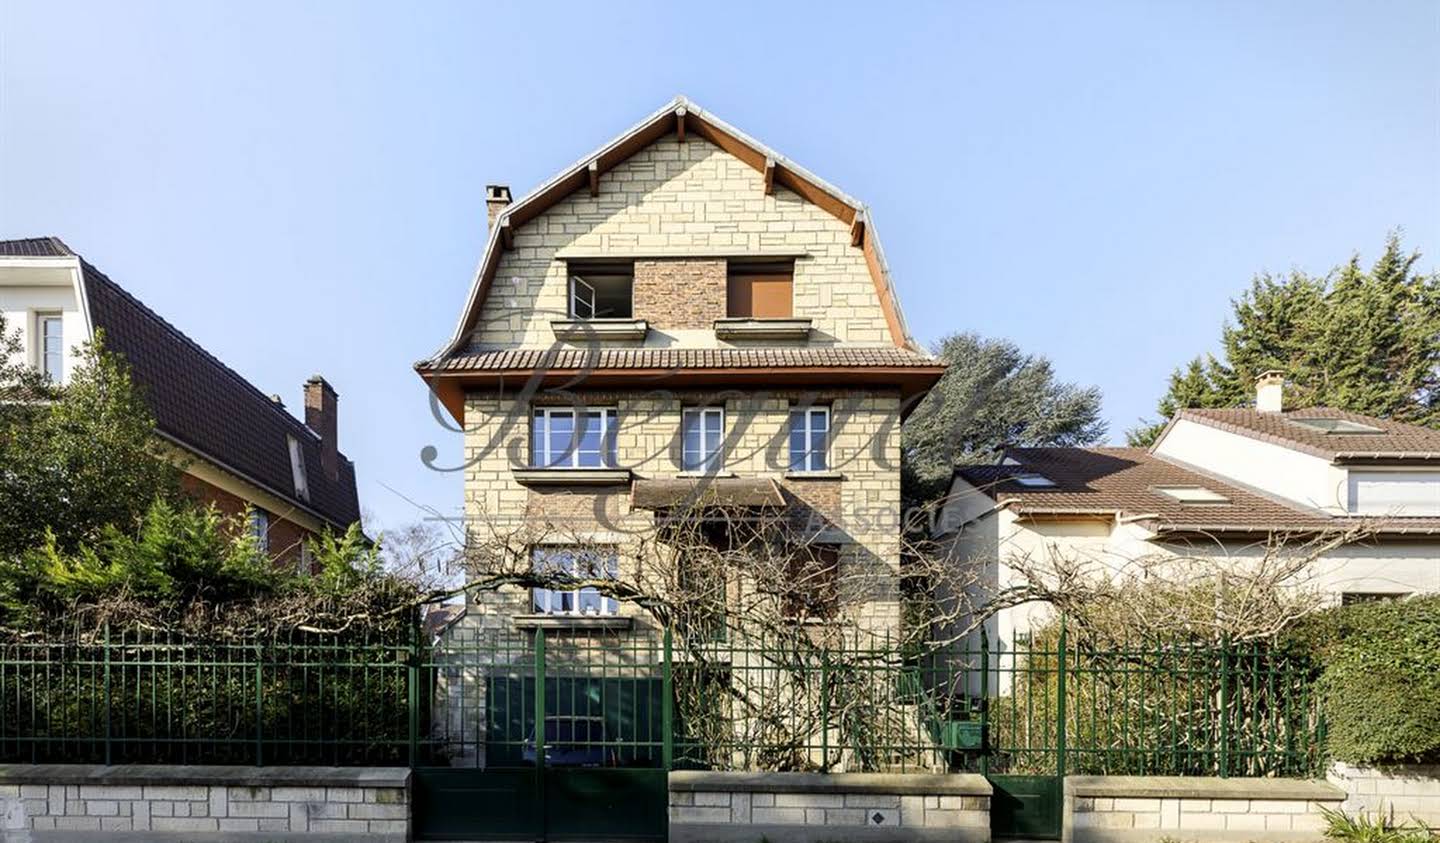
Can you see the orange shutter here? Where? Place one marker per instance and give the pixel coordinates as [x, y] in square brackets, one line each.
[760, 296]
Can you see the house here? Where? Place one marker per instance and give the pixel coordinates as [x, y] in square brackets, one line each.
[715, 314]
[1217, 483]
[240, 449]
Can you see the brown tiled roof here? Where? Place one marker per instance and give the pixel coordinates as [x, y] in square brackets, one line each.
[529, 359]
[712, 491]
[1396, 441]
[35, 247]
[207, 407]
[1122, 481]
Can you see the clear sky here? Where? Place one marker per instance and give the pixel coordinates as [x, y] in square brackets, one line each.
[299, 186]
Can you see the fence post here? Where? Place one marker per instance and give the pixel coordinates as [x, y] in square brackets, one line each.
[1225, 706]
[1060, 705]
[412, 681]
[825, 708]
[108, 709]
[540, 727]
[667, 704]
[984, 701]
[259, 707]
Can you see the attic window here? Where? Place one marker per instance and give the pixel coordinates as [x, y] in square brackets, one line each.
[1033, 480]
[1336, 426]
[1192, 494]
[297, 468]
[760, 290]
[601, 291]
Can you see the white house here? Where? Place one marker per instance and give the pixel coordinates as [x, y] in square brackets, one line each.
[1217, 483]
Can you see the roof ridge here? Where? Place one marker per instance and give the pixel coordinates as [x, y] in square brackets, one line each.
[279, 409]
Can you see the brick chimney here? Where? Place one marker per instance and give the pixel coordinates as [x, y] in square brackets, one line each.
[497, 199]
[322, 416]
[1270, 392]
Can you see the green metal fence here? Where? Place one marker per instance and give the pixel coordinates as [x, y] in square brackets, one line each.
[1045, 705]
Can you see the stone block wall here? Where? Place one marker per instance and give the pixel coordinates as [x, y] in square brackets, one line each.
[1115, 809]
[1403, 791]
[803, 807]
[144, 802]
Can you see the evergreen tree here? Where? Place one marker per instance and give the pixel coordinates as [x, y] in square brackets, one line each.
[1362, 340]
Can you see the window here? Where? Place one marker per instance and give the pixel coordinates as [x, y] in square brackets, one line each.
[1350, 598]
[52, 346]
[1033, 480]
[760, 290]
[1192, 494]
[1336, 426]
[601, 291]
[581, 563]
[259, 527]
[297, 468]
[566, 438]
[701, 429]
[813, 583]
[809, 438]
[1394, 493]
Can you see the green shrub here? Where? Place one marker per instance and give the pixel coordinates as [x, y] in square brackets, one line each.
[1380, 681]
[1379, 828]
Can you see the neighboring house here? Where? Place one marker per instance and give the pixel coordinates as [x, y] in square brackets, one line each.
[1217, 483]
[241, 449]
[726, 317]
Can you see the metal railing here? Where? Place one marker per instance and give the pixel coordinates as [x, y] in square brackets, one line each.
[508, 698]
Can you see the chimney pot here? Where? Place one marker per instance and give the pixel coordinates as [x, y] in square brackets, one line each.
[497, 199]
[322, 416]
[1270, 391]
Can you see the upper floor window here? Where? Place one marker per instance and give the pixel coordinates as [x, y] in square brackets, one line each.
[562, 437]
[259, 527]
[297, 468]
[51, 331]
[601, 291]
[701, 429]
[580, 563]
[809, 438]
[760, 290]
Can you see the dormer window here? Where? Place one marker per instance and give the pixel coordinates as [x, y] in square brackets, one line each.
[51, 331]
[297, 469]
[601, 291]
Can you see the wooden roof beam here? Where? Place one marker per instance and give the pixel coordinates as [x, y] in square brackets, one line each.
[680, 124]
[594, 171]
[769, 176]
[507, 234]
[857, 229]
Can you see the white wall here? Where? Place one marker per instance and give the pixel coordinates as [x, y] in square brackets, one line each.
[1305, 479]
[27, 292]
[1397, 493]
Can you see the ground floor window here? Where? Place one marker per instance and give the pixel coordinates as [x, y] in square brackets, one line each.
[582, 563]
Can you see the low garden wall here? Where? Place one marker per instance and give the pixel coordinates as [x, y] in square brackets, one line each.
[812, 807]
[77, 802]
[1401, 791]
[1129, 809]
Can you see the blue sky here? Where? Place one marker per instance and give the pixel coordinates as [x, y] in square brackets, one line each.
[299, 186]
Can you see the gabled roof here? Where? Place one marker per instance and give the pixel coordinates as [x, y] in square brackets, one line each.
[677, 116]
[201, 404]
[1125, 482]
[1393, 441]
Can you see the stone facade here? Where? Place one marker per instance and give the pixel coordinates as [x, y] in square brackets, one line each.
[1404, 792]
[1116, 809]
[784, 807]
[78, 802]
[683, 200]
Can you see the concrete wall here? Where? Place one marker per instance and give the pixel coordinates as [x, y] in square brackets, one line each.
[806, 807]
[144, 802]
[1402, 792]
[1117, 809]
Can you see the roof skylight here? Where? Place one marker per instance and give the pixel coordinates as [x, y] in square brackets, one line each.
[1192, 494]
[1336, 425]
[1033, 480]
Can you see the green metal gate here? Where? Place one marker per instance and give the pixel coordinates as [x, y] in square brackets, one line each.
[537, 741]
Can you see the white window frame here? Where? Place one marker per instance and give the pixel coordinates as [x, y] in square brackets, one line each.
[43, 319]
[259, 527]
[540, 436]
[815, 459]
[577, 298]
[545, 601]
[711, 420]
[297, 468]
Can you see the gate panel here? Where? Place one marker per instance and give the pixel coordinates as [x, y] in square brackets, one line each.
[605, 804]
[464, 803]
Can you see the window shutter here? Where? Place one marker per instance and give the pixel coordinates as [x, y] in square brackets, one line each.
[760, 296]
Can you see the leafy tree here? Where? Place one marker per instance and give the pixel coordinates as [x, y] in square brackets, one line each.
[1361, 340]
[993, 395]
[76, 458]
